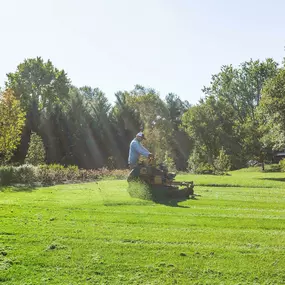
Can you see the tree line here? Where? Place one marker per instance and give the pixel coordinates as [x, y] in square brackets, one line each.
[240, 118]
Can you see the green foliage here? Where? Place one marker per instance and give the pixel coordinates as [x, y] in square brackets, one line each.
[211, 125]
[7, 175]
[272, 168]
[36, 151]
[46, 176]
[176, 108]
[272, 112]
[197, 164]
[38, 83]
[72, 172]
[226, 118]
[12, 121]
[154, 115]
[169, 162]
[282, 165]
[52, 174]
[222, 163]
[111, 163]
[79, 126]
[241, 87]
[25, 174]
[268, 168]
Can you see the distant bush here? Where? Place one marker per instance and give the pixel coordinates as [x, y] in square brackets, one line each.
[117, 174]
[169, 163]
[272, 168]
[111, 163]
[268, 168]
[222, 163]
[7, 175]
[72, 172]
[36, 151]
[25, 174]
[103, 173]
[282, 165]
[53, 174]
[197, 164]
[46, 175]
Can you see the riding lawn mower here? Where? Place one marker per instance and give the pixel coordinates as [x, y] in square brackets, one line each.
[154, 182]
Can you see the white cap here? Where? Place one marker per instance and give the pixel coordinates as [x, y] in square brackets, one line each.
[140, 134]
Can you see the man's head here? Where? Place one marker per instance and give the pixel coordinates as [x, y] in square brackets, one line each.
[140, 136]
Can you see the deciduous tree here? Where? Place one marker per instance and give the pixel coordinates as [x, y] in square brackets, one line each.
[12, 120]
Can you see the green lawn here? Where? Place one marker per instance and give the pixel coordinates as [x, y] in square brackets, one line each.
[234, 233]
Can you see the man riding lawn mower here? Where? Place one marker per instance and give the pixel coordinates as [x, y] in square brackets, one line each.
[147, 181]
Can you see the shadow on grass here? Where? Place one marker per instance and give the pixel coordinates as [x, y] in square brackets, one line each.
[127, 203]
[17, 188]
[273, 179]
[174, 202]
[219, 185]
[148, 202]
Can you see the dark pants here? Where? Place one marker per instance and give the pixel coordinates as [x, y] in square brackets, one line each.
[133, 173]
[132, 165]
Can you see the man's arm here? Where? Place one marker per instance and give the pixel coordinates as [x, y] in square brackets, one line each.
[141, 150]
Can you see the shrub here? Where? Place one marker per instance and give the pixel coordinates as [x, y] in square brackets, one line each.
[273, 168]
[119, 174]
[45, 176]
[222, 163]
[169, 162]
[204, 168]
[197, 164]
[72, 172]
[7, 175]
[194, 161]
[57, 172]
[26, 174]
[36, 151]
[282, 165]
[111, 164]
[89, 175]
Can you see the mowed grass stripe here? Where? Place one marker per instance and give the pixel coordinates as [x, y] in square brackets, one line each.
[96, 234]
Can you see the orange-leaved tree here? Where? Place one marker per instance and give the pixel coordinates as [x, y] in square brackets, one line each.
[12, 121]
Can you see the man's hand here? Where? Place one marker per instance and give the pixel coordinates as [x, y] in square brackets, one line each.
[150, 155]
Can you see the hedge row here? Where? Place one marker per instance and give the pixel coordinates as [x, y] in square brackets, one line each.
[54, 174]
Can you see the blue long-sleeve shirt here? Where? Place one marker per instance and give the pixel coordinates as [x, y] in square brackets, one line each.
[136, 149]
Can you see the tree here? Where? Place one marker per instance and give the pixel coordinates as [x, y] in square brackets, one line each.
[100, 113]
[41, 88]
[176, 108]
[38, 84]
[240, 89]
[155, 120]
[272, 112]
[125, 115]
[181, 144]
[222, 163]
[211, 125]
[36, 151]
[12, 120]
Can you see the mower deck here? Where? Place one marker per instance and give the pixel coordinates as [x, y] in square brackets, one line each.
[151, 183]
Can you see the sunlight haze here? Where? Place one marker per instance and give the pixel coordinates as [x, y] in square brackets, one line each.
[171, 46]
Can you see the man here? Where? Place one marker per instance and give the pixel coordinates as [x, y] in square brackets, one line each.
[136, 149]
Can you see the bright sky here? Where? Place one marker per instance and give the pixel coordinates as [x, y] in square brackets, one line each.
[170, 45]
